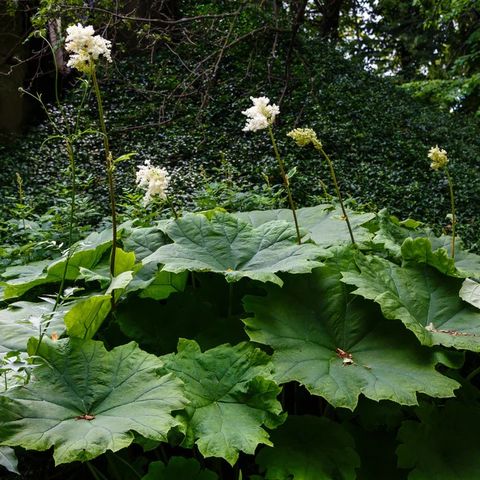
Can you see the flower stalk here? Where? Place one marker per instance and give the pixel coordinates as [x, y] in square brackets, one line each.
[262, 116]
[454, 215]
[286, 183]
[337, 189]
[109, 165]
[307, 136]
[439, 161]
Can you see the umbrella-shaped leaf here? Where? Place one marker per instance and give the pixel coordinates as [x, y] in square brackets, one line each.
[86, 253]
[21, 278]
[86, 400]
[224, 244]
[309, 448]
[325, 223]
[232, 397]
[443, 445]
[22, 320]
[144, 241]
[339, 346]
[178, 468]
[8, 459]
[425, 300]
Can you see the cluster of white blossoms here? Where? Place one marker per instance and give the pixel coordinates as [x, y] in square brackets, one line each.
[261, 115]
[304, 137]
[154, 180]
[85, 47]
[438, 157]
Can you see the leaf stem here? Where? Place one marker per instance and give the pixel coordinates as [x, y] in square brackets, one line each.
[454, 215]
[319, 147]
[285, 182]
[473, 374]
[172, 207]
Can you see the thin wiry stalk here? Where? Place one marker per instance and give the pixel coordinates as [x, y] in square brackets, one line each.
[337, 190]
[285, 182]
[454, 215]
[110, 168]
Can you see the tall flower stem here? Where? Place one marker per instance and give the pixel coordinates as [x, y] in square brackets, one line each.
[285, 182]
[73, 193]
[172, 207]
[110, 169]
[454, 215]
[319, 147]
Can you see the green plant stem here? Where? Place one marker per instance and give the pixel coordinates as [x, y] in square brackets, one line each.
[172, 207]
[96, 474]
[285, 182]
[454, 215]
[71, 158]
[337, 190]
[473, 374]
[110, 169]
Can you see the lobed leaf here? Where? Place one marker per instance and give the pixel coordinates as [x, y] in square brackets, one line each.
[22, 320]
[338, 345]
[232, 247]
[325, 224]
[231, 398]
[86, 400]
[426, 301]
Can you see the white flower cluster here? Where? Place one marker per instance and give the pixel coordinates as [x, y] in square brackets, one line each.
[85, 47]
[261, 115]
[438, 157]
[154, 180]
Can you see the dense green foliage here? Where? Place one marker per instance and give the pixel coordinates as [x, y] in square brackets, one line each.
[203, 331]
[377, 136]
[335, 318]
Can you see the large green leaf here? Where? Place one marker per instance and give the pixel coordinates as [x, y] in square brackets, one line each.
[424, 251]
[86, 400]
[231, 398]
[178, 468]
[325, 224]
[425, 300]
[232, 247]
[8, 459]
[309, 448]
[86, 253]
[22, 320]
[21, 278]
[144, 241]
[444, 444]
[470, 292]
[392, 232]
[156, 284]
[339, 346]
[85, 317]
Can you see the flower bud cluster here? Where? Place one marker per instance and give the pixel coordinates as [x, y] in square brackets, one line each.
[438, 157]
[304, 137]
